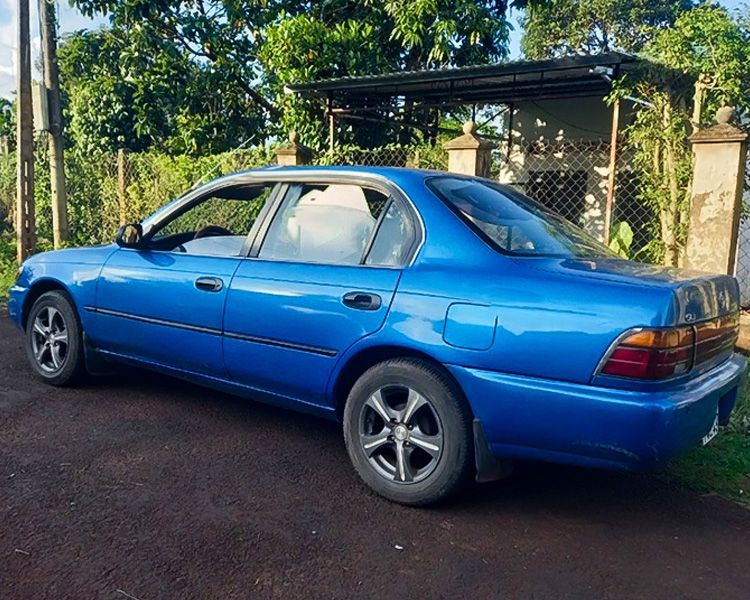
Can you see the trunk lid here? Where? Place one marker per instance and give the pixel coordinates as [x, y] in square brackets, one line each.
[698, 296]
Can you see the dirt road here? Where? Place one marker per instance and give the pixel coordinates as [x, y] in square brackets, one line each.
[142, 486]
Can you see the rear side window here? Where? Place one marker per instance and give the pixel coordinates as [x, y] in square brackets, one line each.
[513, 223]
[393, 240]
[324, 223]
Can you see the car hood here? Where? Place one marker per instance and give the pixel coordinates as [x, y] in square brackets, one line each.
[86, 255]
[698, 296]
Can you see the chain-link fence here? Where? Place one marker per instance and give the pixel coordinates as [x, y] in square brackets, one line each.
[572, 178]
[420, 157]
[742, 271]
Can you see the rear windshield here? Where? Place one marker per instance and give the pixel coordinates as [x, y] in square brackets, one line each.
[514, 223]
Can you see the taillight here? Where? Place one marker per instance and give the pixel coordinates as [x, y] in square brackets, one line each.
[652, 354]
[716, 337]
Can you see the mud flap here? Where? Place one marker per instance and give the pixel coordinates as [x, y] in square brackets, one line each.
[96, 364]
[489, 467]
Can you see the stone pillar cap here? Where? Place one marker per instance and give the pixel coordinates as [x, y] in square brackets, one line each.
[294, 147]
[469, 140]
[723, 131]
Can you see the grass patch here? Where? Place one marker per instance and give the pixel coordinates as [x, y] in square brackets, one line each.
[722, 467]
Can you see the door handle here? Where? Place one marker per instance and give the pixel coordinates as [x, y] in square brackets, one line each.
[209, 284]
[362, 300]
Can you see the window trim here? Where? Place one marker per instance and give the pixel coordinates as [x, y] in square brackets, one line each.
[277, 178]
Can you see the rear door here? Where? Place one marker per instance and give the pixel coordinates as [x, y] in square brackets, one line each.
[321, 277]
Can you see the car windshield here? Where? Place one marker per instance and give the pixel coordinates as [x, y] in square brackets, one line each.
[514, 223]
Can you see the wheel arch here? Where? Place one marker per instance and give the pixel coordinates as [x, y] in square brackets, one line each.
[362, 360]
[36, 290]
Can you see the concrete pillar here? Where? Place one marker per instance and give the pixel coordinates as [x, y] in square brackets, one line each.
[294, 153]
[469, 154]
[719, 155]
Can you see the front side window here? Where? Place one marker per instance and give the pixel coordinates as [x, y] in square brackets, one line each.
[217, 225]
[324, 223]
[513, 223]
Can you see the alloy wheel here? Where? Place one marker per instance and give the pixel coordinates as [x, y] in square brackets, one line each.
[49, 340]
[401, 434]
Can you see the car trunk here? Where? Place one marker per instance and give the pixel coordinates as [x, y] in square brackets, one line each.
[708, 303]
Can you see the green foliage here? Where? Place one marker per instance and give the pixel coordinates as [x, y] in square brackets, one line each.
[707, 45]
[7, 120]
[621, 238]
[562, 27]
[94, 207]
[436, 33]
[240, 54]
[8, 265]
[303, 48]
[126, 90]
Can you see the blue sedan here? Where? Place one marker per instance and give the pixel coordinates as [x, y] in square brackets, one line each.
[452, 324]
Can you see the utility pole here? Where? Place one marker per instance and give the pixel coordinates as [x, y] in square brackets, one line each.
[55, 135]
[25, 224]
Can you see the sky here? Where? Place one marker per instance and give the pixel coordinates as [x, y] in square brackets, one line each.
[72, 20]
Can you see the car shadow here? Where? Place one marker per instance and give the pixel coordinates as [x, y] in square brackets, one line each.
[532, 487]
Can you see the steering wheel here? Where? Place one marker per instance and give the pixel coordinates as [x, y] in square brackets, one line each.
[211, 231]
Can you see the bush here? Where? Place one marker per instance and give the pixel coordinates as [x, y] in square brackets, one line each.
[8, 265]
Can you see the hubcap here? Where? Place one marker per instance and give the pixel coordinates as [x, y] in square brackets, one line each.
[49, 340]
[401, 434]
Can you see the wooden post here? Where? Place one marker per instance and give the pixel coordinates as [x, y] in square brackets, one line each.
[612, 173]
[25, 223]
[55, 135]
[122, 185]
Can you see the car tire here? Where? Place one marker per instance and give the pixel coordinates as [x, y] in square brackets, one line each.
[54, 340]
[424, 453]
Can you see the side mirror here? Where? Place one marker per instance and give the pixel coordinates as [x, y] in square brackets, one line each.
[129, 235]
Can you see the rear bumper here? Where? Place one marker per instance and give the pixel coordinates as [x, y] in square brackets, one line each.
[525, 417]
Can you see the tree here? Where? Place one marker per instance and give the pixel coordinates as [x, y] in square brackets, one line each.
[561, 27]
[260, 46]
[123, 91]
[710, 50]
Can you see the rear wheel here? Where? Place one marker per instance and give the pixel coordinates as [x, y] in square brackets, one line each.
[54, 344]
[408, 432]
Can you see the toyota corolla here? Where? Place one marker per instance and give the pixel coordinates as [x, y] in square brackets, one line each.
[451, 323]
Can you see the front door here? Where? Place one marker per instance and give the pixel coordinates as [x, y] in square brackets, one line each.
[323, 278]
[164, 303]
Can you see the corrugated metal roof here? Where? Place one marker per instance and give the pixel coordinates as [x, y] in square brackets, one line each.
[482, 78]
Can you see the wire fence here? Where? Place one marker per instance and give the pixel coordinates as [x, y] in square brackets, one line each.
[572, 178]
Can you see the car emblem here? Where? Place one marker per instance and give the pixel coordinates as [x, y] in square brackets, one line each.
[722, 300]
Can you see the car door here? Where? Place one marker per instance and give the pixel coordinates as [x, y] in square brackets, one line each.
[320, 278]
[164, 302]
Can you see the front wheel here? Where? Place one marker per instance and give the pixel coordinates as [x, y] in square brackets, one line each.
[54, 343]
[408, 432]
